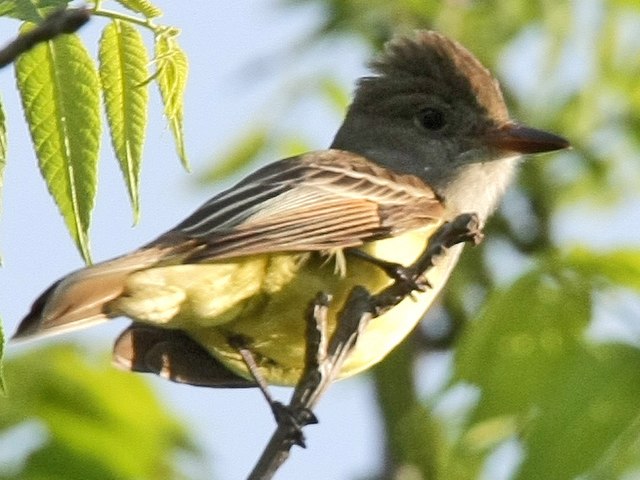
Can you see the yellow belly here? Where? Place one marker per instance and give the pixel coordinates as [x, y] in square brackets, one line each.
[264, 299]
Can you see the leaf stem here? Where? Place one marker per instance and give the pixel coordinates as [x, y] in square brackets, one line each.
[147, 23]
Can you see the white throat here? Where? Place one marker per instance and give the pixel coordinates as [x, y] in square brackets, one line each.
[478, 187]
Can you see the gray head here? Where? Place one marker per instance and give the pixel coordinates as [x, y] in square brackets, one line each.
[432, 110]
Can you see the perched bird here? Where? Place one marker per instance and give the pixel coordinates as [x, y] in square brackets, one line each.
[427, 137]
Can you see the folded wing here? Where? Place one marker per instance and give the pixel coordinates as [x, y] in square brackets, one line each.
[318, 201]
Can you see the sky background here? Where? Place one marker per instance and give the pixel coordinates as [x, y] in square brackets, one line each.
[242, 68]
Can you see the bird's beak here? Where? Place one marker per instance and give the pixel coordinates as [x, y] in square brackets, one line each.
[520, 139]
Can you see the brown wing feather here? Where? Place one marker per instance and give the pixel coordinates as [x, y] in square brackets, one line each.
[322, 200]
[78, 299]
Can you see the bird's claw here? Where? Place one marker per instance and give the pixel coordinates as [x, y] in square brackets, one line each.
[295, 419]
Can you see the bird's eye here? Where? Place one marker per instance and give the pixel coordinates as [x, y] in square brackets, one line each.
[432, 119]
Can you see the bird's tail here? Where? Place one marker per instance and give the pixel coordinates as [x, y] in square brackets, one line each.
[81, 298]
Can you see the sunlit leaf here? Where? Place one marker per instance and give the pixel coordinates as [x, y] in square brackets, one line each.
[627, 4]
[123, 71]
[621, 267]
[144, 7]
[240, 154]
[100, 423]
[290, 146]
[172, 71]
[30, 10]
[59, 88]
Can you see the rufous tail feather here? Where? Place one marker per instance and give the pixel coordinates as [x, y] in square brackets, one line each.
[81, 298]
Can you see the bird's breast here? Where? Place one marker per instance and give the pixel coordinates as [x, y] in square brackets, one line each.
[263, 299]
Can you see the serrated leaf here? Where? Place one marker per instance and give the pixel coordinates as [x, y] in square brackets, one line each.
[241, 154]
[123, 71]
[30, 10]
[144, 7]
[172, 72]
[59, 88]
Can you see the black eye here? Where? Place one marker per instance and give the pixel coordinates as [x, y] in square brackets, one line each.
[432, 119]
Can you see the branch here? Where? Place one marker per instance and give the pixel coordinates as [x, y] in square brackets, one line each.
[59, 22]
[324, 358]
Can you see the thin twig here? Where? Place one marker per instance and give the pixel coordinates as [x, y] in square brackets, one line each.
[324, 358]
[59, 22]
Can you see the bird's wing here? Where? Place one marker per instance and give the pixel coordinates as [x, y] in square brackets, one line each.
[172, 354]
[318, 201]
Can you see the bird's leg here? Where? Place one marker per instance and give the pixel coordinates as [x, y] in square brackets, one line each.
[396, 271]
[282, 413]
[465, 227]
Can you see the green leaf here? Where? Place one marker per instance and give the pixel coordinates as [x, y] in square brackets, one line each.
[3, 385]
[59, 88]
[3, 150]
[588, 418]
[572, 404]
[3, 164]
[523, 332]
[100, 423]
[123, 71]
[144, 7]
[621, 267]
[171, 75]
[415, 441]
[293, 145]
[30, 10]
[337, 95]
[20, 9]
[240, 154]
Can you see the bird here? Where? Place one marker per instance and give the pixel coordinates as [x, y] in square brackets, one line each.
[427, 137]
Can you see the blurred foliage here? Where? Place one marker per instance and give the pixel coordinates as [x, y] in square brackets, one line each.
[94, 422]
[265, 140]
[530, 353]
